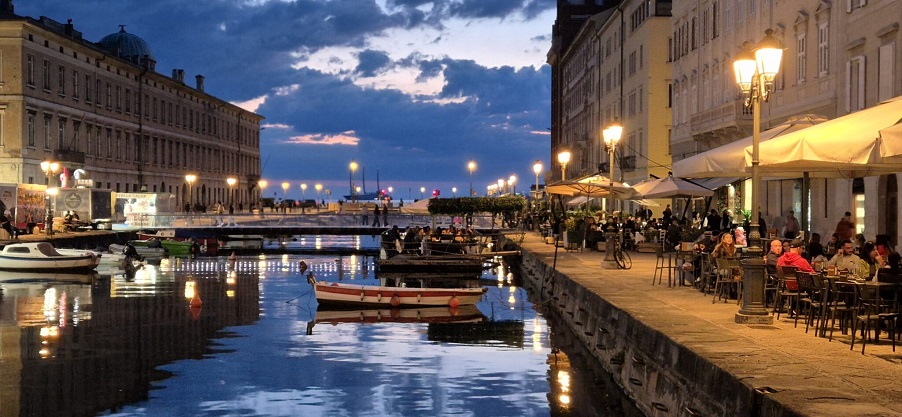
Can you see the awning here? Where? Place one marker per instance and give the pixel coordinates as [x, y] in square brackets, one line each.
[646, 203]
[672, 187]
[846, 147]
[727, 160]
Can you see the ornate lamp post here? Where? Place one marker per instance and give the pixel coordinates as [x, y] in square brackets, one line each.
[319, 191]
[353, 167]
[512, 182]
[472, 167]
[453, 191]
[190, 179]
[50, 168]
[563, 158]
[755, 72]
[611, 136]
[285, 186]
[231, 181]
[303, 191]
[501, 188]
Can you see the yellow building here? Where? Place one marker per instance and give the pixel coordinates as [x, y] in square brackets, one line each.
[102, 108]
[615, 70]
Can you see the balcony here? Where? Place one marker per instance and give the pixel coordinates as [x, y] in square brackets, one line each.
[628, 163]
[732, 115]
[68, 156]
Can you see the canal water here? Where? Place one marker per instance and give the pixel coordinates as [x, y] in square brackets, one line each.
[209, 338]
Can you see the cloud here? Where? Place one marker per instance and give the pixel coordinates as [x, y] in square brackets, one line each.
[371, 62]
[344, 138]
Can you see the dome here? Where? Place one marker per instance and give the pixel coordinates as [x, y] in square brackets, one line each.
[126, 46]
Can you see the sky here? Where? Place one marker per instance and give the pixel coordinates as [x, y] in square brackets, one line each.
[411, 89]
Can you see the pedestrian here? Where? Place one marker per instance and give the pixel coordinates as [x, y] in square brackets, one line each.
[791, 227]
[376, 213]
[384, 215]
[365, 213]
[845, 228]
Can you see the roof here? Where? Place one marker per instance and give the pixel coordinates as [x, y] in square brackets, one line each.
[126, 46]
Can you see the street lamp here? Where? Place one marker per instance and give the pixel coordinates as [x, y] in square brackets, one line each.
[285, 186]
[563, 158]
[353, 167]
[319, 190]
[755, 72]
[472, 167]
[453, 191]
[611, 136]
[262, 184]
[231, 181]
[537, 169]
[50, 168]
[190, 179]
[512, 182]
[303, 191]
[422, 190]
[500, 183]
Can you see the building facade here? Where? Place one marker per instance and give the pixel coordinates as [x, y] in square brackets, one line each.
[101, 110]
[840, 56]
[616, 70]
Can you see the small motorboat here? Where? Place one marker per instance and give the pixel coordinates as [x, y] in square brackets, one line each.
[334, 294]
[145, 251]
[42, 256]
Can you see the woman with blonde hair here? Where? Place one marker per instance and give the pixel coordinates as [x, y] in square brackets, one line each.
[725, 248]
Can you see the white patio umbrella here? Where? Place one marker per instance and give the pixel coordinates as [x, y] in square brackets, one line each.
[592, 186]
[844, 147]
[672, 187]
[891, 143]
[727, 161]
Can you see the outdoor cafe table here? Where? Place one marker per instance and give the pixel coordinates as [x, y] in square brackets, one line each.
[831, 280]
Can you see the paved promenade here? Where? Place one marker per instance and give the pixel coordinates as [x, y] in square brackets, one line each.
[808, 374]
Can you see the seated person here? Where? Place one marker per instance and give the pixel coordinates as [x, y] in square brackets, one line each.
[773, 256]
[846, 258]
[794, 257]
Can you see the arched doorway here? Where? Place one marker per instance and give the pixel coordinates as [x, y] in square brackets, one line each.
[891, 207]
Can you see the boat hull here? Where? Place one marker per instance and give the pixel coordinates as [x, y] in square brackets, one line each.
[462, 314]
[370, 296]
[42, 257]
[429, 263]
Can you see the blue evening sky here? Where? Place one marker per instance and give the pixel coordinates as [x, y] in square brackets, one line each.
[412, 88]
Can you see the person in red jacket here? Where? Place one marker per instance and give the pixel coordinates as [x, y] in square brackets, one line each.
[794, 257]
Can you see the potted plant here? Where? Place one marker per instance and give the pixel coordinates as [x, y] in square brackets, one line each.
[573, 234]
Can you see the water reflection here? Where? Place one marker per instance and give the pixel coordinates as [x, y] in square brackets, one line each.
[214, 337]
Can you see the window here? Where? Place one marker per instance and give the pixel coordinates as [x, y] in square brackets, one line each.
[118, 145]
[823, 48]
[855, 81]
[118, 98]
[47, 132]
[29, 70]
[632, 63]
[89, 136]
[97, 92]
[30, 129]
[714, 22]
[801, 58]
[109, 143]
[61, 133]
[75, 85]
[855, 4]
[109, 96]
[46, 75]
[886, 68]
[61, 76]
[76, 126]
[128, 101]
[88, 93]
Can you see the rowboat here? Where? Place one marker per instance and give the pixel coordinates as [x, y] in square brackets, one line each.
[143, 250]
[463, 264]
[462, 314]
[42, 256]
[339, 295]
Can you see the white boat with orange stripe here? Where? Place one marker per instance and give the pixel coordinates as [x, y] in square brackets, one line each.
[334, 294]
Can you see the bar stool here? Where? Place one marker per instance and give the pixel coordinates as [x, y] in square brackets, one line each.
[663, 262]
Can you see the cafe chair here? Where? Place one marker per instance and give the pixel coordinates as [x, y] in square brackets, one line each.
[663, 264]
[871, 309]
[840, 299]
[787, 290]
[709, 273]
[729, 273]
[809, 300]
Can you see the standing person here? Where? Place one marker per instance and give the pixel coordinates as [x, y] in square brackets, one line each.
[6, 225]
[791, 227]
[667, 214]
[726, 220]
[365, 212]
[713, 221]
[384, 214]
[376, 214]
[845, 229]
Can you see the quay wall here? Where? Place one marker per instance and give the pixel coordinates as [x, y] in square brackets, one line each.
[663, 376]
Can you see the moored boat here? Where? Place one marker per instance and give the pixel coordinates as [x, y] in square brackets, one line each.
[463, 264]
[42, 256]
[240, 243]
[333, 294]
[462, 314]
[143, 250]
